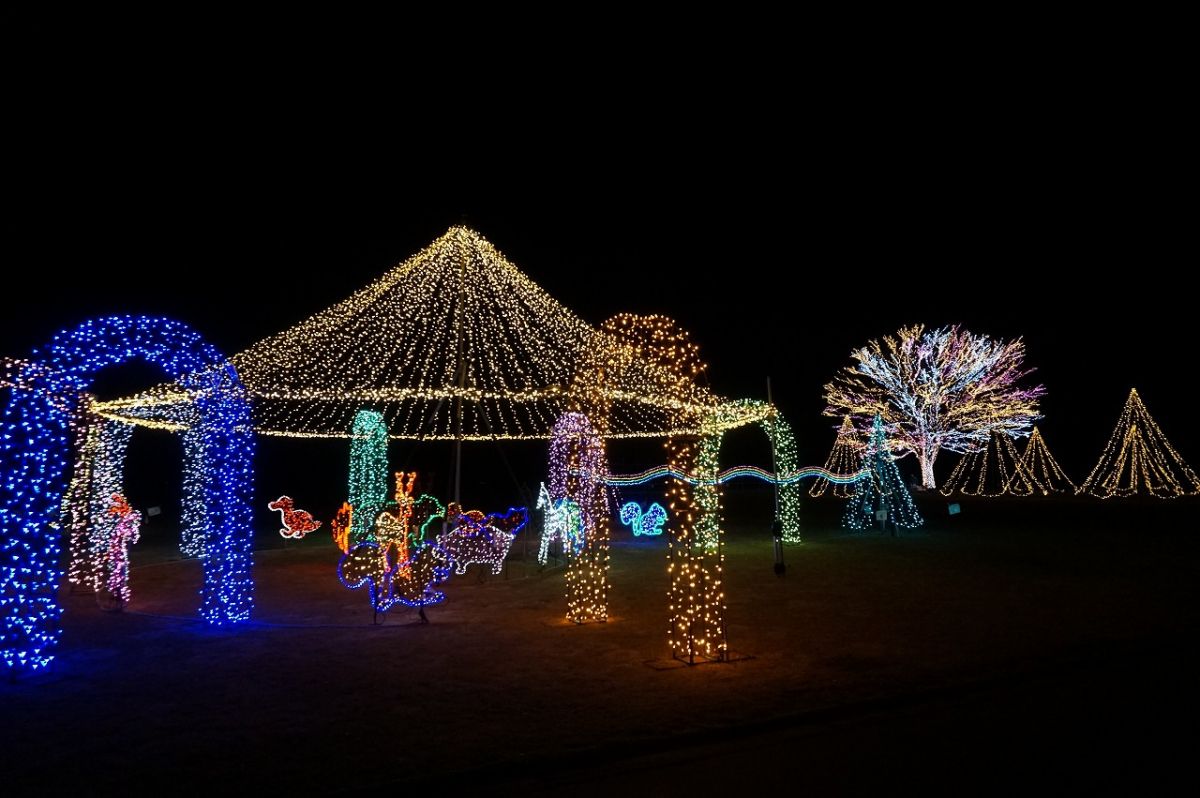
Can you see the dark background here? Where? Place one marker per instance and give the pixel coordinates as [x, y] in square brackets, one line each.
[783, 215]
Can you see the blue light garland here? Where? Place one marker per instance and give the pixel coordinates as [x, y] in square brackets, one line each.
[33, 443]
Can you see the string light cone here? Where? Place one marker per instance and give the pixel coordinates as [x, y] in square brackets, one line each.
[1139, 459]
[1043, 469]
[883, 491]
[844, 458]
[993, 470]
[455, 328]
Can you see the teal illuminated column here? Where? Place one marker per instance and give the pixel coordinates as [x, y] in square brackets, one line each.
[368, 471]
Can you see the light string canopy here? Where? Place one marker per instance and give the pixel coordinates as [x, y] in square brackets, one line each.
[455, 327]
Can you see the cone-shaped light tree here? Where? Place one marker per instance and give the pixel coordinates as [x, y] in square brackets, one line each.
[1043, 469]
[942, 389]
[1140, 459]
[992, 470]
[885, 490]
[843, 459]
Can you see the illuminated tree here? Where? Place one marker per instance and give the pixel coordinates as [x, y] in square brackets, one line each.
[1043, 469]
[885, 489]
[991, 470]
[843, 459]
[1139, 458]
[943, 389]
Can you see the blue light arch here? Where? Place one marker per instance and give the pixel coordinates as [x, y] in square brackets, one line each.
[33, 449]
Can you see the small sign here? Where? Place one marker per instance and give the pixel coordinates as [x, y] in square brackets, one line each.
[881, 515]
[153, 511]
[955, 509]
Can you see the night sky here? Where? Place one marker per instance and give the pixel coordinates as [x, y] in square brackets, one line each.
[1040, 213]
[859, 272]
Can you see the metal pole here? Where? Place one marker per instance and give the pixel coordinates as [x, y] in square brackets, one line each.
[459, 310]
[462, 378]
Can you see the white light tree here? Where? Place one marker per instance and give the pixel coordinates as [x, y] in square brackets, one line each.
[943, 389]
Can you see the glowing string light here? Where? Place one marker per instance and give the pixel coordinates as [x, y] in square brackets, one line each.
[718, 420]
[398, 346]
[368, 471]
[182, 418]
[484, 540]
[33, 441]
[843, 458]
[1138, 458]
[340, 527]
[410, 582]
[576, 449]
[991, 470]
[1042, 468]
[562, 521]
[940, 389]
[429, 509]
[884, 491]
[696, 596]
[649, 522]
[98, 475]
[296, 523]
[737, 472]
[391, 535]
[391, 530]
[124, 535]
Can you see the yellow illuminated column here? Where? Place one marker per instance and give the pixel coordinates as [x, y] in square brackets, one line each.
[696, 597]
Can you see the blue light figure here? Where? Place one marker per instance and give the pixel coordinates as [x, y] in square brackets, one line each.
[647, 523]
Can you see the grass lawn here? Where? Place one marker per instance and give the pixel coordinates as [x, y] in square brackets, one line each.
[868, 650]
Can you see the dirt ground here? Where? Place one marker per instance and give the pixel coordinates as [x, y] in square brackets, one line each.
[1006, 643]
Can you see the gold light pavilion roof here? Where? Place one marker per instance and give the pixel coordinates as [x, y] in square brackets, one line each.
[454, 329]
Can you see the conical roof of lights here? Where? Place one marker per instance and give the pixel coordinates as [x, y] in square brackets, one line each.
[1139, 459]
[455, 342]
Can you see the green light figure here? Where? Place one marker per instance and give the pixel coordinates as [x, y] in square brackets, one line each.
[368, 472]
